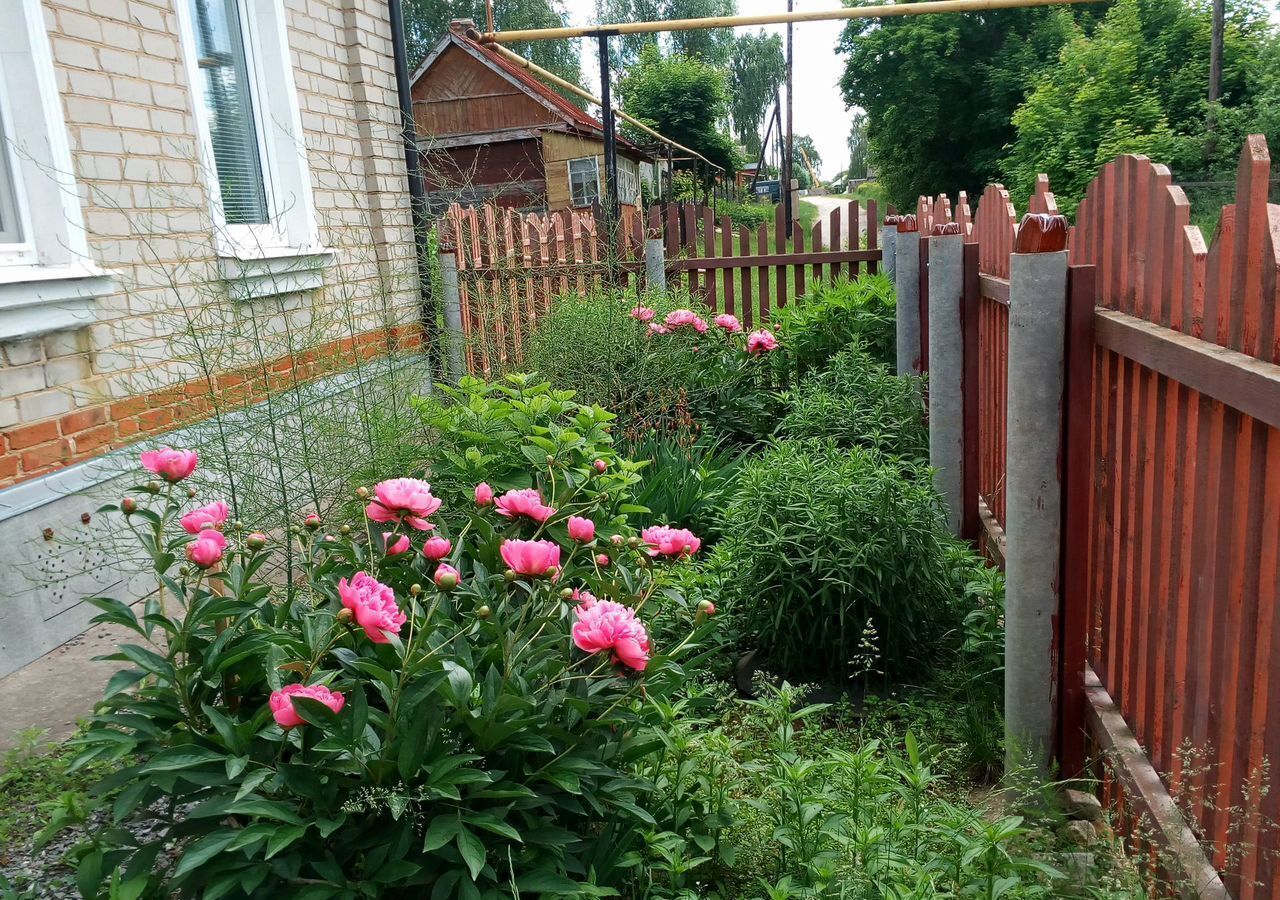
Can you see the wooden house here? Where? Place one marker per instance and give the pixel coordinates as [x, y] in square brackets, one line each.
[490, 131]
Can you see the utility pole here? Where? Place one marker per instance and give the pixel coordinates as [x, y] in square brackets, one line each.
[1215, 78]
[788, 151]
[610, 139]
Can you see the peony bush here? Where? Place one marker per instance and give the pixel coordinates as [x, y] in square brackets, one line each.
[455, 701]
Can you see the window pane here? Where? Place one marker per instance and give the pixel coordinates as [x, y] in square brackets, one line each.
[229, 110]
[584, 184]
[10, 227]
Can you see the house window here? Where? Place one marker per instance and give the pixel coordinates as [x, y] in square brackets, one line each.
[255, 159]
[48, 281]
[628, 182]
[229, 110]
[584, 181]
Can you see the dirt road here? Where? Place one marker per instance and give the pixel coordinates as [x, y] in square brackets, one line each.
[824, 205]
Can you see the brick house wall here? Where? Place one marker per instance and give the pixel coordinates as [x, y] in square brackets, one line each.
[69, 395]
[181, 325]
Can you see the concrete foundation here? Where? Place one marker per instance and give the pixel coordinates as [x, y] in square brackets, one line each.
[1037, 326]
[907, 279]
[946, 371]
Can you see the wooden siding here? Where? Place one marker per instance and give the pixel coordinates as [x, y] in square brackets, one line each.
[461, 95]
[508, 173]
[558, 149]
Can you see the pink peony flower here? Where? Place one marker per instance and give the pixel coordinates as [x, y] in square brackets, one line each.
[281, 702]
[446, 577]
[643, 314]
[211, 515]
[373, 604]
[601, 466]
[397, 546]
[584, 596]
[437, 548]
[686, 318]
[207, 549]
[531, 557]
[581, 530]
[663, 540]
[484, 494]
[169, 464]
[526, 502]
[602, 560]
[729, 323]
[406, 500]
[604, 625]
[761, 341]
[655, 328]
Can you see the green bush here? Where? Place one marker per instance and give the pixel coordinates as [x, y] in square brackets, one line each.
[593, 346]
[688, 479]
[836, 553]
[833, 316]
[747, 215]
[479, 748]
[858, 402]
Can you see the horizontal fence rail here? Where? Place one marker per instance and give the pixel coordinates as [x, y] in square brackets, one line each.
[512, 265]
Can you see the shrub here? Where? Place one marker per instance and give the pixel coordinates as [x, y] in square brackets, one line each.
[833, 316]
[457, 738]
[747, 215]
[825, 541]
[858, 402]
[688, 479]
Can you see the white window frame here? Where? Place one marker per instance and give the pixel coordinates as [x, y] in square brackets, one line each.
[595, 162]
[628, 181]
[48, 280]
[291, 236]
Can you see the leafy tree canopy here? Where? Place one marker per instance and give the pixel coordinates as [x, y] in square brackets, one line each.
[684, 99]
[1137, 84]
[756, 71]
[940, 91]
[858, 148]
[426, 21]
[713, 46]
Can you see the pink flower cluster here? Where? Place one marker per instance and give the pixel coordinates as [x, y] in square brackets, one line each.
[171, 465]
[207, 549]
[606, 626]
[526, 502]
[373, 604]
[533, 558]
[663, 540]
[582, 530]
[728, 322]
[405, 500]
[761, 341]
[685, 318]
[281, 702]
[643, 314]
[211, 515]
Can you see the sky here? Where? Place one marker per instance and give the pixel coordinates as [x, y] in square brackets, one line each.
[819, 112]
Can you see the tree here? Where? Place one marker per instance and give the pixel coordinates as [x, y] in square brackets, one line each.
[804, 149]
[1137, 84]
[756, 71]
[426, 21]
[858, 147]
[684, 99]
[711, 45]
[940, 91]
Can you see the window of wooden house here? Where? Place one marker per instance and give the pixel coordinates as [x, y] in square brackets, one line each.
[584, 181]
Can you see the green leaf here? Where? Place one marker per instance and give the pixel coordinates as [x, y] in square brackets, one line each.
[544, 881]
[440, 832]
[472, 850]
[283, 837]
[202, 851]
[187, 756]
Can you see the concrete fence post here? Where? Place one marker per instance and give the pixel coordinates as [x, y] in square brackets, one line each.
[888, 265]
[655, 264]
[907, 267]
[946, 369]
[452, 304]
[1037, 332]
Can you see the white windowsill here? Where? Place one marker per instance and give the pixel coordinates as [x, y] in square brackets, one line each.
[281, 272]
[36, 300]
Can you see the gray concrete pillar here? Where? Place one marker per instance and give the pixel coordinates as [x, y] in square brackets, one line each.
[946, 370]
[907, 257]
[452, 304]
[888, 234]
[1037, 328]
[655, 264]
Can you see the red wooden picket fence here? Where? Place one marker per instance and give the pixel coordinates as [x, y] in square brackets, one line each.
[1170, 576]
[512, 265]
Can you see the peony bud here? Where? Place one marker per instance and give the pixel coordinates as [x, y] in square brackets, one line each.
[602, 560]
[484, 612]
[550, 459]
[617, 540]
[362, 493]
[446, 577]
[582, 530]
[436, 548]
[191, 493]
[415, 589]
[312, 521]
[153, 487]
[345, 529]
[256, 541]
[128, 505]
[344, 615]
[633, 542]
[706, 608]
[566, 593]
[601, 466]
[484, 494]
[509, 576]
